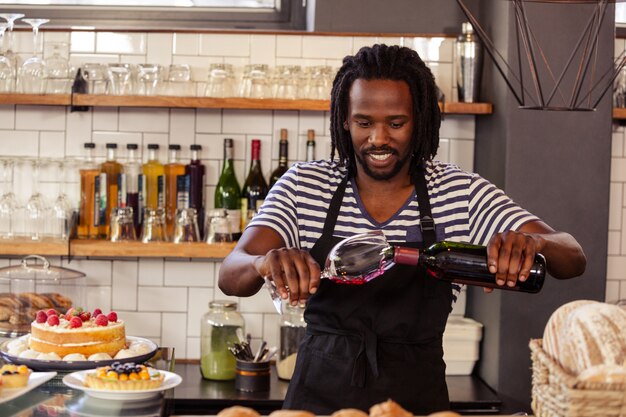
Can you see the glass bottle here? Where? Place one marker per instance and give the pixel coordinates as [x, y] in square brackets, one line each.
[292, 331]
[153, 179]
[228, 193]
[109, 173]
[255, 187]
[361, 258]
[220, 327]
[195, 171]
[131, 175]
[283, 153]
[172, 170]
[310, 145]
[89, 209]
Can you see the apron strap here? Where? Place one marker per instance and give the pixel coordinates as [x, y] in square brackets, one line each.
[427, 223]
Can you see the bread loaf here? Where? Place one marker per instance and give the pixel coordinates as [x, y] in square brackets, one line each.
[389, 408]
[604, 373]
[552, 336]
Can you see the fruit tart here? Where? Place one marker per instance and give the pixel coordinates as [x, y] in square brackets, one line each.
[14, 376]
[124, 377]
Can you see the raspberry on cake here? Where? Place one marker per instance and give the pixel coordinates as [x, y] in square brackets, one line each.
[77, 332]
[124, 377]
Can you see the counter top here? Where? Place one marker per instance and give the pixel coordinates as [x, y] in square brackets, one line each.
[468, 394]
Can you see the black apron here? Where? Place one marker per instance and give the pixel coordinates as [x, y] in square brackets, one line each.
[366, 344]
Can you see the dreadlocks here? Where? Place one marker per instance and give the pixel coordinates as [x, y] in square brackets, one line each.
[389, 63]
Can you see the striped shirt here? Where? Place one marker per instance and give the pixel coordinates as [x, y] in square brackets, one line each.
[465, 207]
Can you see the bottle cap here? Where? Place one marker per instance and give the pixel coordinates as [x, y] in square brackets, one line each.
[153, 146]
[89, 145]
[196, 147]
[223, 303]
[467, 28]
[174, 147]
[132, 146]
[111, 145]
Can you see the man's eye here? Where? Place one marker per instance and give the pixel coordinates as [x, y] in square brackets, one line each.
[363, 124]
[396, 125]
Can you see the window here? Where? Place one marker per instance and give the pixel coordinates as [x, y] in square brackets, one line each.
[166, 14]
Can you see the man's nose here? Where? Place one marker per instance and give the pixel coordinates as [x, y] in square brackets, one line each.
[379, 135]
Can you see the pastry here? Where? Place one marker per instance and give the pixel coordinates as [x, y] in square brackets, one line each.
[124, 377]
[14, 376]
[238, 411]
[389, 408]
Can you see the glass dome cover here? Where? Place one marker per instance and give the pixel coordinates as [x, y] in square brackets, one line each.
[37, 267]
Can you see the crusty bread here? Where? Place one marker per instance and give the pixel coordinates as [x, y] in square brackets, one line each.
[349, 412]
[238, 411]
[389, 408]
[444, 414]
[552, 337]
[291, 413]
[604, 373]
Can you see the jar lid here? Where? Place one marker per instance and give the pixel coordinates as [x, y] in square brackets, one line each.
[32, 270]
[229, 304]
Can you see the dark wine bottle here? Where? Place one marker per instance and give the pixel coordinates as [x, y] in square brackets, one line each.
[196, 171]
[361, 258]
[282, 158]
[255, 187]
[228, 193]
[310, 145]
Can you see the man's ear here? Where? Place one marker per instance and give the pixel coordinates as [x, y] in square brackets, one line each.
[345, 126]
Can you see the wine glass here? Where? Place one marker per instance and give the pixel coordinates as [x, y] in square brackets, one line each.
[36, 204]
[8, 201]
[10, 19]
[61, 210]
[7, 69]
[58, 79]
[32, 78]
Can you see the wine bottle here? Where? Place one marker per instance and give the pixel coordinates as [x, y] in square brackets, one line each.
[310, 145]
[282, 158]
[153, 179]
[255, 187]
[88, 214]
[228, 193]
[172, 170]
[132, 172]
[196, 172]
[361, 258]
[110, 171]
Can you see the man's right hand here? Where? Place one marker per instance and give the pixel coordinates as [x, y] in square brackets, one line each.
[294, 272]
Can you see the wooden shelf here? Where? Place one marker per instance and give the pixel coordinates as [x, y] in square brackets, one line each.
[207, 103]
[619, 113]
[106, 249]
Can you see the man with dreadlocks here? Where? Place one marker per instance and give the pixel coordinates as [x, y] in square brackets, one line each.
[367, 343]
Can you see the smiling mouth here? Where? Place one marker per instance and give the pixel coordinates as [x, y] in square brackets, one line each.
[379, 157]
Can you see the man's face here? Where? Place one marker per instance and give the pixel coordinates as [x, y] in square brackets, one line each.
[381, 126]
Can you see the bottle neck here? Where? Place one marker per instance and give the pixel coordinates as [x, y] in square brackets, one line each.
[194, 155]
[256, 151]
[282, 155]
[152, 155]
[132, 156]
[110, 154]
[173, 156]
[310, 151]
[89, 155]
[405, 256]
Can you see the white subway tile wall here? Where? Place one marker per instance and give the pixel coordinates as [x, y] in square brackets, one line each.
[164, 299]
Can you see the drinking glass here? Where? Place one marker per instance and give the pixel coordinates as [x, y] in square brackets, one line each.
[319, 82]
[153, 228]
[286, 81]
[7, 68]
[9, 53]
[149, 79]
[221, 81]
[218, 227]
[179, 81]
[97, 77]
[8, 201]
[121, 79]
[61, 210]
[58, 80]
[186, 227]
[122, 224]
[32, 75]
[255, 82]
[36, 205]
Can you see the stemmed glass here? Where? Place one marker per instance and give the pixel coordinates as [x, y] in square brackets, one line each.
[8, 201]
[36, 205]
[10, 19]
[7, 69]
[33, 71]
[61, 211]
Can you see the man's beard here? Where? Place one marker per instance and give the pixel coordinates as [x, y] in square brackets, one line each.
[382, 176]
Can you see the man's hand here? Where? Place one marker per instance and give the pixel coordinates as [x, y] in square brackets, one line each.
[294, 272]
[510, 255]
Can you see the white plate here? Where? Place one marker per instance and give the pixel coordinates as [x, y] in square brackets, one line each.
[76, 380]
[64, 366]
[35, 379]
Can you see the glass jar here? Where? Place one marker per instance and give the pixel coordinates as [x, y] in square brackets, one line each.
[219, 328]
[292, 330]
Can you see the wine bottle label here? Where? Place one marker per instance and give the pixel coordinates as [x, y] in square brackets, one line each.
[96, 201]
[244, 213]
[182, 191]
[121, 190]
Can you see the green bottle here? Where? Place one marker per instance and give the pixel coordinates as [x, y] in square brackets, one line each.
[282, 158]
[228, 192]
